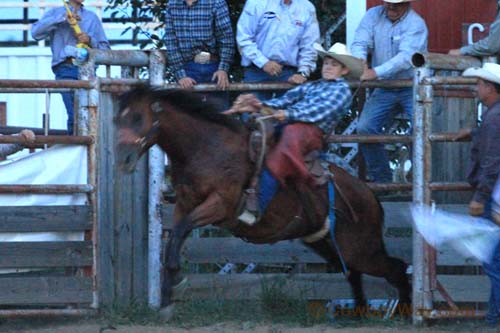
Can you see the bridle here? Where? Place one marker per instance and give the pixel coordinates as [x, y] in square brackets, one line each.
[148, 139]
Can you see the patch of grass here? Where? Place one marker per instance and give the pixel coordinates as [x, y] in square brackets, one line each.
[274, 305]
[137, 313]
[282, 305]
[195, 312]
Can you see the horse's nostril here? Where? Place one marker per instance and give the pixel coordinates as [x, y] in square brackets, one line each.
[127, 159]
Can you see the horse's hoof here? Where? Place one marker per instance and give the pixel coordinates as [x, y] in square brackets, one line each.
[179, 289]
[167, 312]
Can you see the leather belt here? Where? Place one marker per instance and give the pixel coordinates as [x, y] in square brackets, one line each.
[284, 67]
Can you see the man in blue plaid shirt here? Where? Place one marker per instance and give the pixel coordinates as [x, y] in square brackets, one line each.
[199, 41]
[309, 112]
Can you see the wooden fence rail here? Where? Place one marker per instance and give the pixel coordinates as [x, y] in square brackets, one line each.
[45, 272]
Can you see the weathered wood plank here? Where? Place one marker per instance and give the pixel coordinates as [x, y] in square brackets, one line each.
[106, 179]
[45, 290]
[221, 250]
[45, 254]
[45, 218]
[321, 286]
[140, 233]
[451, 160]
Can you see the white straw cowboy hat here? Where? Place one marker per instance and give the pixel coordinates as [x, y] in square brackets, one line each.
[489, 72]
[339, 52]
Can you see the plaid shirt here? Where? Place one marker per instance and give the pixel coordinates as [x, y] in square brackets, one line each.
[205, 26]
[320, 102]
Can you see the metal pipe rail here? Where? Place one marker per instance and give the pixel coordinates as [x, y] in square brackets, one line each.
[444, 61]
[50, 139]
[449, 80]
[34, 90]
[38, 131]
[47, 189]
[46, 84]
[337, 138]
[129, 58]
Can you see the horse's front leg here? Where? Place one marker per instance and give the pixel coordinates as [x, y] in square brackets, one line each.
[209, 211]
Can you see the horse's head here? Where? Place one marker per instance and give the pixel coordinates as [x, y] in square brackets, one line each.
[137, 126]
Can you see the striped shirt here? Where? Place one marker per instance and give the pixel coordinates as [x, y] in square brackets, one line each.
[203, 26]
[392, 44]
[321, 102]
[55, 26]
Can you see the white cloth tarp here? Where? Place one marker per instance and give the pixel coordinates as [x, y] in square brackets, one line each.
[470, 236]
[58, 165]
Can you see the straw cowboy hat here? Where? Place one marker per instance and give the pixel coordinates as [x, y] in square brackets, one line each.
[489, 72]
[339, 52]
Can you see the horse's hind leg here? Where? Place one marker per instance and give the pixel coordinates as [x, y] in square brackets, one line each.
[324, 249]
[396, 276]
[354, 278]
[393, 270]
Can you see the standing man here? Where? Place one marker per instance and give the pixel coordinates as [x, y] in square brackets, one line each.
[487, 46]
[275, 39]
[485, 167]
[58, 25]
[199, 41]
[391, 33]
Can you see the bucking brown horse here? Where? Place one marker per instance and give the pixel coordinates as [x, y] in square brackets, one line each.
[210, 165]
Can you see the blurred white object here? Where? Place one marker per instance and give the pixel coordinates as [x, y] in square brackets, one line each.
[470, 236]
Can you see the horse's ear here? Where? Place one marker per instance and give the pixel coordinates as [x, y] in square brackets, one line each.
[156, 107]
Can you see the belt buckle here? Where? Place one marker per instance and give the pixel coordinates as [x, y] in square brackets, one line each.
[202, 58]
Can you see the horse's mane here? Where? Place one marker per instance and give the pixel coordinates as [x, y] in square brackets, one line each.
[183, 101]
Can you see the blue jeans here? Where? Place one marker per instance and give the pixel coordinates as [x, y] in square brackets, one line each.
[377, 114]
[203, 73]
[67, 72]
[255, 74]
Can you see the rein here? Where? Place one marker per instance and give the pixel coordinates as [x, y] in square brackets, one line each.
[263, 145]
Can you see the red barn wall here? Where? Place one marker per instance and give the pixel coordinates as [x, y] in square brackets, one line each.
[444, 19]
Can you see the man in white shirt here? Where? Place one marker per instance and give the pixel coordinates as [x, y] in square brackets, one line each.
[275, 39]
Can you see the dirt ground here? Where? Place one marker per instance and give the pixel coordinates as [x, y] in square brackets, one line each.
[89, 326]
